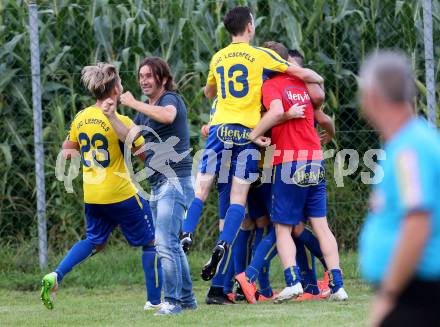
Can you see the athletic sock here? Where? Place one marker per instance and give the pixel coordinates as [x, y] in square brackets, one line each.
[264, 252]
[308, 275]
[152, 273]
[250, 248]
[312, 243]
[259, 233]
[312, 278]
[264, 281]
[78, 253]
[336, 281]
[292, 276]
[219, 277]
[241, 253]
[233, 219]
[228, 281]
[192, 216]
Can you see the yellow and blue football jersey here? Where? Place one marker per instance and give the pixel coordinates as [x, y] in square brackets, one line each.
[105, 175]
[239, 71]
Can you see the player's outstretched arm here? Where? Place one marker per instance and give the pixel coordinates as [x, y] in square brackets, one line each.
[164, 115]
[306, 74]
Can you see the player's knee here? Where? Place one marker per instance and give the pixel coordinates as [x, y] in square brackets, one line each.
[262, 222]
[203, 187]
[239, 191]
[281, 230]
[320, 226]
[100, 247]
[202, 193]
[238, 198]
[95, 248]
[298, 229]
[247, 224]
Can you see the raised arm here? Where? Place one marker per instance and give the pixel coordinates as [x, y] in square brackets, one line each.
[306, 74]
[109, 110]
[164, 115]
[121, 129]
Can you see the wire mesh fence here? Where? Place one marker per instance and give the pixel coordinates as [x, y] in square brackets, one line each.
[333, 35]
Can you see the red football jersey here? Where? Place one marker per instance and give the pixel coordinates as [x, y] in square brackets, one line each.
[295, 139]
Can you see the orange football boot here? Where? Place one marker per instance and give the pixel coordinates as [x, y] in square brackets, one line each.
[308, 297]
[249, 289]
[231, 297]
[323, 284]
[262, 298]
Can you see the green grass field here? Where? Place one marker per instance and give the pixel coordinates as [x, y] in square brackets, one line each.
[107, 290]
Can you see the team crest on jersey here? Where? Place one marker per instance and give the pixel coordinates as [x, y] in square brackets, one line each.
[309, 174]
[233, 134]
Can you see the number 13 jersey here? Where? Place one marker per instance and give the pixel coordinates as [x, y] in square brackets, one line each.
[238, 71]
[105, 175]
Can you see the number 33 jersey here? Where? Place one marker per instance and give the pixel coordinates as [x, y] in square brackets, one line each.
[105, 175]
[238, 71]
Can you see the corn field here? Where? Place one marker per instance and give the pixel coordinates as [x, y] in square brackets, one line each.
[334, 35]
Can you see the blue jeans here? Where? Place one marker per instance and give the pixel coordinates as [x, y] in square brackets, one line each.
[168, 206]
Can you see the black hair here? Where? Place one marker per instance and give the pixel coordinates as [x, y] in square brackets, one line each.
[237, 19]
[297, 55]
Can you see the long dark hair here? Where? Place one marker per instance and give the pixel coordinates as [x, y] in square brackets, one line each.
[160, 70]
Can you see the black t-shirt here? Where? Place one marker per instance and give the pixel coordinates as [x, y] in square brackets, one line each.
[168, 153]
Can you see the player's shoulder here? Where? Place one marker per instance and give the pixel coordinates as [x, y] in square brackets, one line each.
[418, 129]
[125, 119]
[419, 139]
[264, 52]
[91, 110]
[219, 53]
[171, 95]
[82, 113]
[276, 79]
[426, 136]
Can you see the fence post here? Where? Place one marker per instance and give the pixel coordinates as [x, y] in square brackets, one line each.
[429, 61]
[38, 133]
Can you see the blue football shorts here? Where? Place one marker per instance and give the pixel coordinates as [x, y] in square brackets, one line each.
[298, 192]
[229, 152]
[132, 215]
